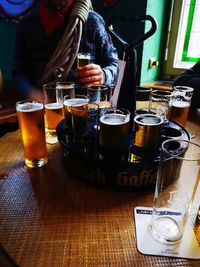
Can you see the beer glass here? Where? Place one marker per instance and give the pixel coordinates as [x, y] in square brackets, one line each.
[83, 59]
[53, 102]
[31, 122]
[160, 99]
[84, 121]
[177, 181]
[78, 101]
[113, 136]
[67, 88]
[147, 133]
[99, 94]
[142, 97]
[180, 104]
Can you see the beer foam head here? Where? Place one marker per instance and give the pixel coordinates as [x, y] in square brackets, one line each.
[29, 106]
[84, 55]
[180, 104]
[114, 119]
[148, 119]
[53, 105]
[77, 102]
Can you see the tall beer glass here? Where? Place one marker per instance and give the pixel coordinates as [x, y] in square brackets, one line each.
[177, 182]
[113, 136]
[180, 104]
[31, 122]
[53, 101]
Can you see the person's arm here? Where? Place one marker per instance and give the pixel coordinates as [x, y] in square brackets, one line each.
[191, 78]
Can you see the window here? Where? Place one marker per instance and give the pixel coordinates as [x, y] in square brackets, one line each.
[183, 45]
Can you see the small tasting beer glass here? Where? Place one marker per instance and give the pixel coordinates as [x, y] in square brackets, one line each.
[180, 104]
[142, 97]
[113, 136]
[53, 102]
[83, 59]
[160, 99]
[78, 102]
[99, 94]
[147, 134]
[31, 122]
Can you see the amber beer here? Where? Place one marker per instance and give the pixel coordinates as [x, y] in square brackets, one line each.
[147, 134]
[113, 137]
[179, 112]
[53, 115]
[83, 59]
[31, 121]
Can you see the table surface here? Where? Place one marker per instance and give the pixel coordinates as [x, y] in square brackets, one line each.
[50, 218]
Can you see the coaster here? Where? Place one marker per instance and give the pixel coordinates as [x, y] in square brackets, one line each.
[187, 248]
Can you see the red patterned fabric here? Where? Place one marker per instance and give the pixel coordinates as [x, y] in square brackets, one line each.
[52, 20]
[110, 2]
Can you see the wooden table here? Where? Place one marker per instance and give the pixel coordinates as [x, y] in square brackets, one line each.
[50, 218]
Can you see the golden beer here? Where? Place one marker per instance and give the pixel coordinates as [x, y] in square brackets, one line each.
[53, 115]
[31, 121]
[83, 59]
[113, 137]
[179, 112]
[147, 135]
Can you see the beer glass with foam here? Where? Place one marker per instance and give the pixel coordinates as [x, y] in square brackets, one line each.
[113, 136]
[83, 59]
[84, 122]
[31, 122]
[180, 104]
[147, 133]
[79, 102]
[53, 102]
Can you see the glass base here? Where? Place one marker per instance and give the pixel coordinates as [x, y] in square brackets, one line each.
[166, 230]
[36, 163]
[51, 138]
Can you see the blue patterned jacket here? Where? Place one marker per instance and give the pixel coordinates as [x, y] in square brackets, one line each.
[34, 49]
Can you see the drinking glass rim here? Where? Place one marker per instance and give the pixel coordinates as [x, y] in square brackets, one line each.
[144, 89]
[161, 92]
[184, 149]
[97, 87]
[182, 88]
[64, 85]
[23, 102]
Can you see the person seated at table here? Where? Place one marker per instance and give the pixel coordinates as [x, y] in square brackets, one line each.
[48, 41]
[191, 78]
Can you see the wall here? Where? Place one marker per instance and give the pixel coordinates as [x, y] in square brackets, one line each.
[7, 44]
[129, 31]
[154, 46]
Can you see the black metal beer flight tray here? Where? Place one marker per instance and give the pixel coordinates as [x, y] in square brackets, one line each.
[85, 162]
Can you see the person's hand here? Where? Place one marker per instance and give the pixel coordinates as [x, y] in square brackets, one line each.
[90, 74]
